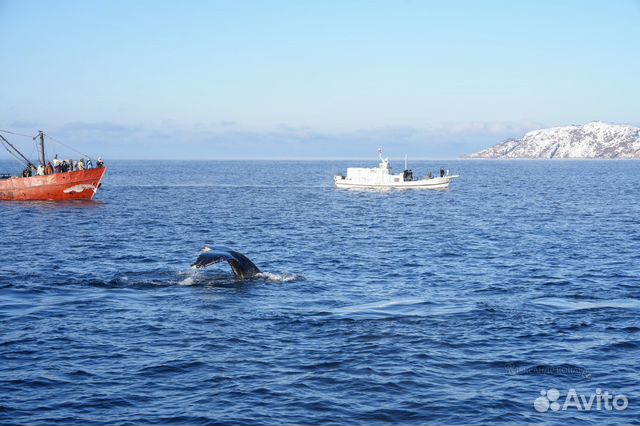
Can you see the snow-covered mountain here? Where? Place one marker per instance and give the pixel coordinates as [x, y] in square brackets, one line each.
[593, 140]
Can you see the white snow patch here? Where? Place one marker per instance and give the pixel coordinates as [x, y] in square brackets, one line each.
[593, 140]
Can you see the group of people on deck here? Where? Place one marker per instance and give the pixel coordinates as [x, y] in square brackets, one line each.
[442, 173]
[61, 166]
[407, 175]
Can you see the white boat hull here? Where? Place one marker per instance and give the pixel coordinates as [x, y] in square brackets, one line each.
[434, 183]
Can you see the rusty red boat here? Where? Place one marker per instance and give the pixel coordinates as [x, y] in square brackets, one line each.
[56, 186]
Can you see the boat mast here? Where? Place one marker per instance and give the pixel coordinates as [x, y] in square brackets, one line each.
[41, 136]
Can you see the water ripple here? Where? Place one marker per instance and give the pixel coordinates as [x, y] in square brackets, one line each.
[412, 307]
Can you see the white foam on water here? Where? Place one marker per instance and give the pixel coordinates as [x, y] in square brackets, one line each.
[403, 307]
[195, 276]
[187, 281]
[384, 304]
[576, 305]
[191, 274]
[279, 278]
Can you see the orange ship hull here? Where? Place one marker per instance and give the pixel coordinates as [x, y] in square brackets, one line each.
[78, 185]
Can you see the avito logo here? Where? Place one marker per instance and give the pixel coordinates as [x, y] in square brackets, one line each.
[550, 400]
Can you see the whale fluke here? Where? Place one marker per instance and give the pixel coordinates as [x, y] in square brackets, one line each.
[242, 267]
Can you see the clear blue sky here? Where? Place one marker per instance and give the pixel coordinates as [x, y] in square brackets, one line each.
[313, 79]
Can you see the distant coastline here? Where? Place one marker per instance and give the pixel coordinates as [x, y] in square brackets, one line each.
[595, 140]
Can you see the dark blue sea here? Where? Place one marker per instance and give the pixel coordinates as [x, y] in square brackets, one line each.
[421, 307]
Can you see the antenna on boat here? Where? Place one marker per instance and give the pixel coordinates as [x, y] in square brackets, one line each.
[41, 136]
[405, 162]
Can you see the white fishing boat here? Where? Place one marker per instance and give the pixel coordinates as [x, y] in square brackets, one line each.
[382, 177]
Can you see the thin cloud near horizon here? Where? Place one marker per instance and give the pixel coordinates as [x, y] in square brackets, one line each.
[220, 141]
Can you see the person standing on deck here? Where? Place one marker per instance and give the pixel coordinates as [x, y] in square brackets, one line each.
[55, 161]
[89, 164]
[40, 171]
[49, 169]
[81, 164]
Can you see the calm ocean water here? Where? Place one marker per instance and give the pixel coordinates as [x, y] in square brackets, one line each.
[423, 307]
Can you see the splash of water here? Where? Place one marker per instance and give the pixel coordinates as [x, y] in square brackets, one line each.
[279, 278]
[195, 276]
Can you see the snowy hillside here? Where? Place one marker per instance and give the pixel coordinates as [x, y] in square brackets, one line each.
[593, 140]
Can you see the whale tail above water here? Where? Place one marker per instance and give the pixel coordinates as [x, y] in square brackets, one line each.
[242, 267]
